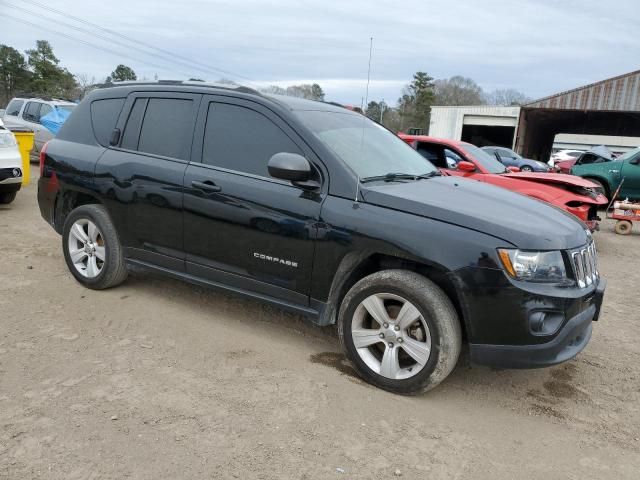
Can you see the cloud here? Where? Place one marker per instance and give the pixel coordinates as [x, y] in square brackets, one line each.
[536, 46]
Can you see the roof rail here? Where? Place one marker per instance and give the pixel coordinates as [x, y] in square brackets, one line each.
[195, 83]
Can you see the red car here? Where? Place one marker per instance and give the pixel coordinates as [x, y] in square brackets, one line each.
[573, 194]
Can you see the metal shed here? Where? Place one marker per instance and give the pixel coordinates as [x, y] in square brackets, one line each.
[609, 107]
[478, 124]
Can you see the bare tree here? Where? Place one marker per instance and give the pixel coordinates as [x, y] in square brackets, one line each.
[457, 90]
[305, 90]
[85, 85]
[506, 97]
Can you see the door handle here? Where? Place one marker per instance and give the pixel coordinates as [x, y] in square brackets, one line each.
[206, 186]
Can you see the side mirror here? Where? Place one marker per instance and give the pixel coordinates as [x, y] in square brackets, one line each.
[513, 169]
[635, 161]
[465, 166]
[289, 166]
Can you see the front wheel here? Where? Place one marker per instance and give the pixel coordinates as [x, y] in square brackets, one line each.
[400, 331]
[91, 248]
[6, 198]
[526, 168]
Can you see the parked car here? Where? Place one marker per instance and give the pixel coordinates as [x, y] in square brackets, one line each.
[576, 196]
[563, 155]
[10, 166]
[28, 112]
[595, 155]
[509, 158]
[368, 235]
[609, 175]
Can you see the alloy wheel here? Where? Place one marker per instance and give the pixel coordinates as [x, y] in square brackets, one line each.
[86, 248]
[391, 336]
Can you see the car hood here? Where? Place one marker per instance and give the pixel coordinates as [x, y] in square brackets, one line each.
[524, 222]
[552, 179]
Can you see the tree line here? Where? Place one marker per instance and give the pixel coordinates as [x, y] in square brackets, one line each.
[413, 108]
[39, 73]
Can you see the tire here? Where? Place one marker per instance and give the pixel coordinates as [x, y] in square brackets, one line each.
[6, 198]
[526, 168]
[436, 330]
[623, 227]
[89, 245]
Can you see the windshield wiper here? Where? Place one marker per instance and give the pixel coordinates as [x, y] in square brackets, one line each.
[390, 177]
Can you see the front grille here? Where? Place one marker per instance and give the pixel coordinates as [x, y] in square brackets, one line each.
[585, 265]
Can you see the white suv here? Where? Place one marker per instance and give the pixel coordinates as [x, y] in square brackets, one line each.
[27, 112]
[10, 166]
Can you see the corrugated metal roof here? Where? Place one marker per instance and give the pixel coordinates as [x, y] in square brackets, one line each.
[620, 93]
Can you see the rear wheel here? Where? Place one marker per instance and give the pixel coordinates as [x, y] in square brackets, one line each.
[6, 198]
[623, 227]
[91, 248]
[400, 331]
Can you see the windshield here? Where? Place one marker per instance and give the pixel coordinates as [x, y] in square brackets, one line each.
[66, 108]
[628, 155]
[488, 162]
[368, 148]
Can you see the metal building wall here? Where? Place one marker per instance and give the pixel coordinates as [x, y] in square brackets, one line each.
[447, 122]
[620, 93]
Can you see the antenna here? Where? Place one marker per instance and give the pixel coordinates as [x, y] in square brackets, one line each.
[364, 116]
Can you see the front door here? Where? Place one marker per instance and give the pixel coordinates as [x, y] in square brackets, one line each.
[631, 174]
[242, 227]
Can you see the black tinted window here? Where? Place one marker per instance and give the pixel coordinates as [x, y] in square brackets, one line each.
[167, 127]
[31, 112]
[104, 115]
[588, 158]
[434, 153]
[131, 129]
[242, 139]
[14, 107]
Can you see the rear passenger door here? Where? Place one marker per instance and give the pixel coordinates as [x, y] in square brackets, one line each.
[141, 176]
[244, 228]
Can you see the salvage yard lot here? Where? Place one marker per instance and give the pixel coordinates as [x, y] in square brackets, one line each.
[160, 379]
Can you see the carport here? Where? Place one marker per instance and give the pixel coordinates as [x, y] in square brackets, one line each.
[609, 107]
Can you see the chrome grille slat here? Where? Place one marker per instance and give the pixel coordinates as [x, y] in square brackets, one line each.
[585, 265]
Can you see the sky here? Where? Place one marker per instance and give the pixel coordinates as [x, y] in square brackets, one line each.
[539, 47]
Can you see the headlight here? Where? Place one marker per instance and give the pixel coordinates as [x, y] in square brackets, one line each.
[7, 139]
[533, 266]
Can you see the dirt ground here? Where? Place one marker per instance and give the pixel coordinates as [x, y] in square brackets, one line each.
[158, 379]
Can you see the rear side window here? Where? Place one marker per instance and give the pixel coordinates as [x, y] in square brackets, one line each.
[167, 127]
[32, 112]
[14, 107]
[44, 109]
[104, 115]
[241, 139]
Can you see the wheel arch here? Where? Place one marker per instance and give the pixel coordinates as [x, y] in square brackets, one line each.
[68, 200]
[356, 266]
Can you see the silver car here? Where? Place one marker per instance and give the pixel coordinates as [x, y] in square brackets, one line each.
[27, 112]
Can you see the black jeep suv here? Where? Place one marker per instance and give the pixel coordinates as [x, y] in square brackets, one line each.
[319, 210]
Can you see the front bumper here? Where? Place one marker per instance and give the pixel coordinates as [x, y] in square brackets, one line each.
[10, 179]
[570, 340]
[10, 175]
